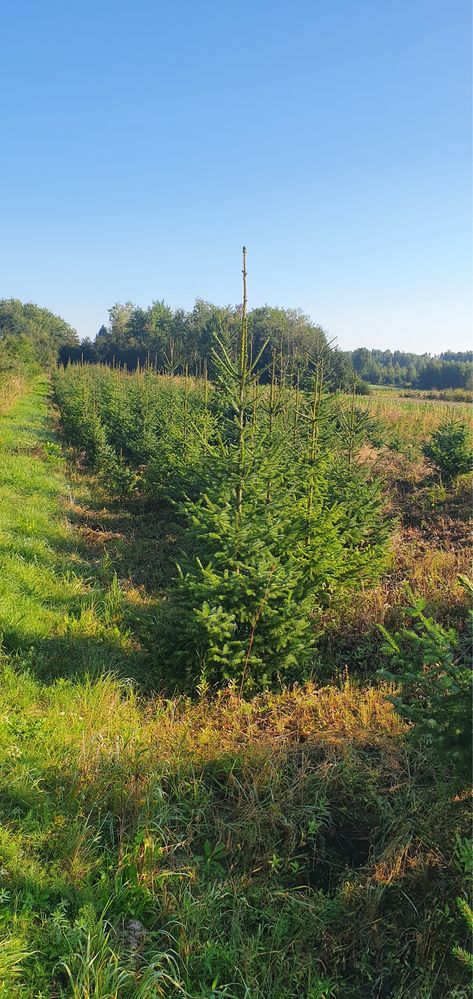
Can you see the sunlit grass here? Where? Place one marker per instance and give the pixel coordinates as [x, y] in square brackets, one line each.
[52, 602]
[292, 846]
[296, 810]
[405, 423]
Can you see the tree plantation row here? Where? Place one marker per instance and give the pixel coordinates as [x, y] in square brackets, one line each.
[277, 514]
[176, 340]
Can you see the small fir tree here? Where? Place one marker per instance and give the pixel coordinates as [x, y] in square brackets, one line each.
[449, 450]
[432, 667]
[282, 522]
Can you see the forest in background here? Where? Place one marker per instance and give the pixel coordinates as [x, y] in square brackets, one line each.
[451, 369]
[175, 340]
[30, 334]
[171, 340]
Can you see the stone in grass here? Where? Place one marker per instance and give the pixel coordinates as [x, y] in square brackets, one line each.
[134, 934]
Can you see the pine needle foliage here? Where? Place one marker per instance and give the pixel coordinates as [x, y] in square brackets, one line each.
[449, 449]
[277, 515]
[432, 668]
[463, 955]
[281, 523]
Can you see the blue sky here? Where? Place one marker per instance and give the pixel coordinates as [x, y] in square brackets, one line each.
[144, 141]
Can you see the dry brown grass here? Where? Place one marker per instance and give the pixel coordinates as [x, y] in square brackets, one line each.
[410, 421]
[12, 388]
[108, 719]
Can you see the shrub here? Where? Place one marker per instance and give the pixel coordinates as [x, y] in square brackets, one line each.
[449, 450]
[362, 388]
[432, 669]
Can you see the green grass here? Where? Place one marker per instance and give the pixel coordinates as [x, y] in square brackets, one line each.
[283, 848]
[289, 847]
[34, 595]
[60, 606]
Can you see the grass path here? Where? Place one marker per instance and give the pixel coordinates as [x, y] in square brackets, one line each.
[59, 612]
[34, 591]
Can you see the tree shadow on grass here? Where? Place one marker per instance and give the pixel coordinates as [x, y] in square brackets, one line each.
[99, 584]
[139, 538]
[74, 657]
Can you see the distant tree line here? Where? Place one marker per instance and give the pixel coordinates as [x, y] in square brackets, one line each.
[176, 340]
[449, 370]
[30, 334]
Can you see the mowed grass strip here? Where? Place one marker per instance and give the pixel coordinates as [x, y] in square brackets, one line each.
[32, 526]
[54, 610]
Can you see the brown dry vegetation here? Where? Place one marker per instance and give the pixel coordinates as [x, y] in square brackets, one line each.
[11, 389]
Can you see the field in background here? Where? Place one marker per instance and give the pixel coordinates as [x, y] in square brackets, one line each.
[432, 535]
[291, 845]
[406, 421]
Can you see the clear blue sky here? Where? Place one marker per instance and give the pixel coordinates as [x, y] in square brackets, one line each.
[144, 141]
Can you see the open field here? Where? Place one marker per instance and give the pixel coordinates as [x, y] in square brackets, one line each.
[290, 843]
[404, 422]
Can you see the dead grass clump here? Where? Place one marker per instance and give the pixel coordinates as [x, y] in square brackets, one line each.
[12, 387]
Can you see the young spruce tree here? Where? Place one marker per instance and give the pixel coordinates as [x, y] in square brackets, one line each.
[265, 542]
